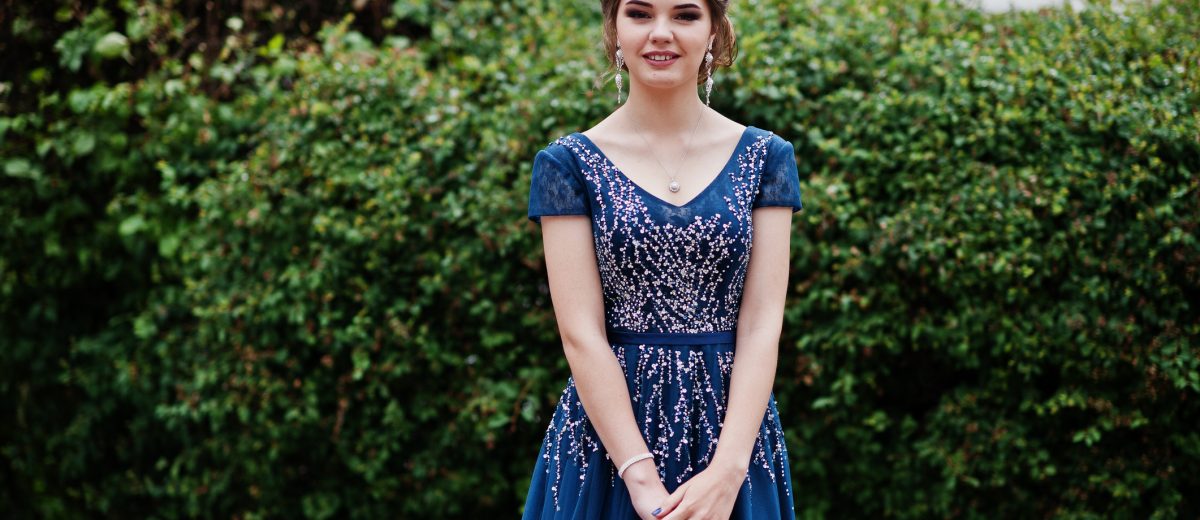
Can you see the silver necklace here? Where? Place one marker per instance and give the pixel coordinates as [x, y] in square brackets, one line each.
[673, 185]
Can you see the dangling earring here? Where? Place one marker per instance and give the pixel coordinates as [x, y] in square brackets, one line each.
[620, 64]
[708, 59]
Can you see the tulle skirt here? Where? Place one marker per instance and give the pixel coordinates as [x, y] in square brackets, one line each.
[678, 385]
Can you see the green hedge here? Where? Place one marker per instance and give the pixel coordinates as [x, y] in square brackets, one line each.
[293, 278]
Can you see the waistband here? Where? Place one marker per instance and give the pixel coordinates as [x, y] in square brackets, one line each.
[628, 337]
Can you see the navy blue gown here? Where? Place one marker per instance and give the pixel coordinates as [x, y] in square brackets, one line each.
[672, 278]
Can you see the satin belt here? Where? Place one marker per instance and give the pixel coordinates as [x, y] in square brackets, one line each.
[627, 337]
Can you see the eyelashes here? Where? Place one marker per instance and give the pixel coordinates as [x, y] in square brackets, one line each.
[691, 17]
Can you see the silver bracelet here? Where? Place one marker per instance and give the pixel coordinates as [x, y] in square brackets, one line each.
[635, 458]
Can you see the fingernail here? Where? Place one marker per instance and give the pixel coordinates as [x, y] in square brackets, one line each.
[656, 511]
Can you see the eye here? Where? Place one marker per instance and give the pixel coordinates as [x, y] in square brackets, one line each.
[691, 17]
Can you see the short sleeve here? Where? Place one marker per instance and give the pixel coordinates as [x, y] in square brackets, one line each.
[780, 184]
[555, 188]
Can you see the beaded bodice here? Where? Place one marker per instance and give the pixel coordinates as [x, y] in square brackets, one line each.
[665, 267]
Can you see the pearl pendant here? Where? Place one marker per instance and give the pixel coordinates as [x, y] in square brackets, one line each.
[674, 186]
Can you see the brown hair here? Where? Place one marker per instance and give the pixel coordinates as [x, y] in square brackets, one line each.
[724, 49]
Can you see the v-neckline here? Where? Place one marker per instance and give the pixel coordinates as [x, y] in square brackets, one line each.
[711, 184]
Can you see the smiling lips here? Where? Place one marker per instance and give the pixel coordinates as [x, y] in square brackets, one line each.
[660, 59]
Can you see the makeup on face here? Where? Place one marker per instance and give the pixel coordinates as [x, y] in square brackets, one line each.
[687, 14]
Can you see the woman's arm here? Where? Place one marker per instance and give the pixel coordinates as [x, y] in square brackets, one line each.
[579, 309]
[760, 320]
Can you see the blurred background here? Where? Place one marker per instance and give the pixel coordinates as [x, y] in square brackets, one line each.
[270, 259]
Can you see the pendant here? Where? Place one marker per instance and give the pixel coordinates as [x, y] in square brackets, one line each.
[674, 186]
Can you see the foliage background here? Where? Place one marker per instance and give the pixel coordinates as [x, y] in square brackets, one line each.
[271, 260]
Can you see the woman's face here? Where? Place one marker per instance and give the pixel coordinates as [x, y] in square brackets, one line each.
[677, 29]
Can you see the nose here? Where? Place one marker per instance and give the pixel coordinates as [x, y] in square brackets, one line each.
[661, 33]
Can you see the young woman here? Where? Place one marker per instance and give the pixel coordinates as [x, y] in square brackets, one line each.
[648, 221]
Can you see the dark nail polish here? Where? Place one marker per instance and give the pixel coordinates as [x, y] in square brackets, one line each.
[656, 511]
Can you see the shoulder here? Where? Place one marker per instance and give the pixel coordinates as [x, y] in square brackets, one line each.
[558, 151]
[560, 157]
[774, 140]
[777, 145]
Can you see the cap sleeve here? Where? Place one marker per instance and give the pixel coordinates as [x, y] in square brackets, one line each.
[555, 188]
[780, 184]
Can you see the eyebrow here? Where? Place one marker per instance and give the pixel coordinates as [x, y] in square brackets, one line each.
[646, 4]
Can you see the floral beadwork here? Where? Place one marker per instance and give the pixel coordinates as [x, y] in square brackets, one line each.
[682, 275]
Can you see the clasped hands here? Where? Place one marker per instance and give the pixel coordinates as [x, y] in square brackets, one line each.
[708, 495]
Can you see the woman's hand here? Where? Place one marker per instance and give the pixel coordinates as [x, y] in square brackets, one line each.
[708, 495]
[645, 489]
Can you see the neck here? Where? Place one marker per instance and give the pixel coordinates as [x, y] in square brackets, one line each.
[663, 113]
